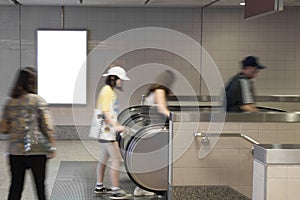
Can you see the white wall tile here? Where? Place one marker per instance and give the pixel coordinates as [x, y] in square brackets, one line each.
[277, 172]
[293, 172]
[276, 189]
[293, 192]
[266, 37]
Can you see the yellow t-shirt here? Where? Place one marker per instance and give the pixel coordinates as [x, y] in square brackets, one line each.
[107, 101]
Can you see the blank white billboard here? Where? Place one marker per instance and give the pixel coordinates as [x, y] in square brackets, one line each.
[61, 64]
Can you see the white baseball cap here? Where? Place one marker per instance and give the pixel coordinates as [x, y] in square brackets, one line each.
[117, 71]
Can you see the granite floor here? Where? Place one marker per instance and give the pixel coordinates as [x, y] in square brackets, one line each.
[206, 193]
[67, 150]
[74, 166]
[75, 180]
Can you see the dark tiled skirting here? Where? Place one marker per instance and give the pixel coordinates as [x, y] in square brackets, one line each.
[70, 132]
[66, 132]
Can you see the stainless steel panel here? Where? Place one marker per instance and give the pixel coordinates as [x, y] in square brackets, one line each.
[206, 136]
[145, 147]
[273, 98]
[277, 153]
[146, 159]
[236, 117]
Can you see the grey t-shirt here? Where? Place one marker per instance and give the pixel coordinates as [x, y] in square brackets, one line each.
[239, 91]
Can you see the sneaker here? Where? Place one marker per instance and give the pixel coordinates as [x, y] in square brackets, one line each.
[140, 192]
[102, 190]
[120, 194]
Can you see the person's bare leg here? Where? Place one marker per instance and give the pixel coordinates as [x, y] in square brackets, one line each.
[100, 172]
[115, 164]
[114, 174]
[103, 158]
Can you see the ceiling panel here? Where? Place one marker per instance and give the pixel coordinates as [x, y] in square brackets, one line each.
[181, 3]
[84, 2]
[292, 2]
[230, 3]
[6, 2]
[138, 3]
[49, 2]
[114, 2]
[226, 3]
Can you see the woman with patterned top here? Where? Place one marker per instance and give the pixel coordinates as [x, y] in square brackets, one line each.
[27, 120]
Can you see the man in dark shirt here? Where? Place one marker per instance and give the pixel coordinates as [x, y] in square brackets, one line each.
[239, 90]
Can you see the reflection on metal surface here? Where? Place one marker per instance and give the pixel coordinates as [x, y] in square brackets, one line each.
[277, 153]
[273, 98]
[146, 158]
[238, 117]
[205, 139]
[145, 147]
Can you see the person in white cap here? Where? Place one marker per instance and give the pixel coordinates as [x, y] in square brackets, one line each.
[109, 149]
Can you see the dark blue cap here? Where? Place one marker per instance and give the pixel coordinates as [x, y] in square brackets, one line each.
[252, 62]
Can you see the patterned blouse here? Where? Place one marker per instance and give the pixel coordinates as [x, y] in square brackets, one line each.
[30, 111]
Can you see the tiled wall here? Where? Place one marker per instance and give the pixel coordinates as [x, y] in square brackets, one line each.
[274, 39]
[226, 36]
[20, 25]
[231, 161]
[280, 182]
[9, 48]
[283, 182]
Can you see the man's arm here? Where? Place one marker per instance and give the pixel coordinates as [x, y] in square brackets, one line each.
[248, 98]
[160, 99]
[249, 108]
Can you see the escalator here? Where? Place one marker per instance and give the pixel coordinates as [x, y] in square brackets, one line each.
[144, 147]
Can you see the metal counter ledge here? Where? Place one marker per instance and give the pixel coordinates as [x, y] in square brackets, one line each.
[277, 153]
[216, 116]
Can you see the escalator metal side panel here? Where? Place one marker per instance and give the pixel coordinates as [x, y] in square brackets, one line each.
[145, 147]
[146, 159]
[149, 112]
[126, 113]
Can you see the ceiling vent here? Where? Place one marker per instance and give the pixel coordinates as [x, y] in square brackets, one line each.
[6, 2]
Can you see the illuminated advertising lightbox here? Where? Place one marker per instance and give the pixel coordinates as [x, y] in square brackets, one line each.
[61, 66]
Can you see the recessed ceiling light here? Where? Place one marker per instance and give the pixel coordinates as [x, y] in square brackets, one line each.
[242, 3]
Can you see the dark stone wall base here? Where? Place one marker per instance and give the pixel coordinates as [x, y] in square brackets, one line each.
[72, 132]
[66, 132]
